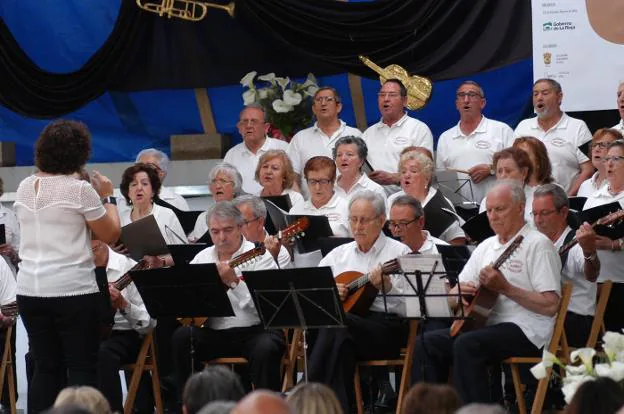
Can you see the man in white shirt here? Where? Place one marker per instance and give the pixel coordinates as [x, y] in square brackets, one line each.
[320, 138]
[580, 265]
[470, 145]
[242, 334]
[254, 214]
[396, 130]
[561, 134]
[522, 319]
[160, 161]
[131, 323]
[620, 105]
[377, 334]
[407, 222]
[253, 128]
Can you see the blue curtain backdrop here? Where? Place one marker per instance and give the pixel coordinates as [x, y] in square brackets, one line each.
[61, 35]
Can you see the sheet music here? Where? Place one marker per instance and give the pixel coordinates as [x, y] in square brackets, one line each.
[437, 306]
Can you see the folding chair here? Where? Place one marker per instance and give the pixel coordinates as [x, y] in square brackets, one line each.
[146, 361]
[556, 342]
[405, 362]
[598, 327]
[6, 368]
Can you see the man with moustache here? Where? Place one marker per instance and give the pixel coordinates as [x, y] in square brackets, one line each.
[561, 134]
[396, 130]
[244, 156]
[242, 334]
[620, 105]
[376, 335]
[522, 319]
[471, 144]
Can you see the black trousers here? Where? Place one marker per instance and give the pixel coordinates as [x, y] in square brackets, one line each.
[263, 349]
[470, 354]
[335, 351]
[63, 334]
[5, 389]
[577, 328]
[614, 314]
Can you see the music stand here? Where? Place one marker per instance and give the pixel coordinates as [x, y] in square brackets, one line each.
[301, 298]
[182, 254]
[455, 188]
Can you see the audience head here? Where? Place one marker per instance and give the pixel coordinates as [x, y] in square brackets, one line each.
[512, 164]
[63, 147]
[547, 97]
[416, 172]
[262, 402]
[313, 398]
[252, 124]
[68, 409]
[140, 184]
[367, 216]
[326, 104]
[538, 155]
[600, 396]
[431, 398]
[391, 99]
[157, 159]
[275, 170]
[320, 174]
[214, 383]
[224, 224]
[599, 144]
[87, 397]
[470, 100]
[350, 152]
[407, 220]
[254, 214]
[477, 408]
[225, 182]
[218, 407]
[550, 209]
[504, 206]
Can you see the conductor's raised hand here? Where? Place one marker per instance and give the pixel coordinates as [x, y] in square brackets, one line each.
[101, 184]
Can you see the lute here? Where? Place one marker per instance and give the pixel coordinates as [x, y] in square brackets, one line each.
[480, 308]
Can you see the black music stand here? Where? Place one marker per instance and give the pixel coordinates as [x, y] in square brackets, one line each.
[301, 298]
[182, 254]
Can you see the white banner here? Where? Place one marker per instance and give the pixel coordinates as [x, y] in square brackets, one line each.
[580, 43]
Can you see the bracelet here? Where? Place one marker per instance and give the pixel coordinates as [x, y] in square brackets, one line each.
[591, 257]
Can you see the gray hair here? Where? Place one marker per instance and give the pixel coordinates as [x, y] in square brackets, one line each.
[408, 200]
[425, 163]
[372, 197]
[257, 205]
[163, 159]
[516, 188]
[473, 83]
[254, 105]
[553, 84]
[560, 198]
[225, 210]
[329, 88]
[617, 143]
[230, 171]
[478, 408]
[218, 407]
[362, 149]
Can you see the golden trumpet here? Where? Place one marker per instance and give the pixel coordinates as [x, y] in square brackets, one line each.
[184, 9]
[418, 87]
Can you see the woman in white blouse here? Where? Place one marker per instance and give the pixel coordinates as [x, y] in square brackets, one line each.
[350, 154]
[276, 176]
[57, 293]
[139, 185]
[598, 147]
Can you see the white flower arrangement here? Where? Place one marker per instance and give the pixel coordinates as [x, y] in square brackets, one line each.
[575, 375]
[287, 103]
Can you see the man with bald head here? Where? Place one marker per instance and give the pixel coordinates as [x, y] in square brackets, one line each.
[262, 402]
[522, 319]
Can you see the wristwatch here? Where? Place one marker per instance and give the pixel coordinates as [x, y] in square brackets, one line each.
[591, 257]
[109, 200]
[233, 285]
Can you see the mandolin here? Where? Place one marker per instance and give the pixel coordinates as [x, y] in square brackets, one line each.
[294, 230]
[361, 293]
[604, 221]
[480, 308]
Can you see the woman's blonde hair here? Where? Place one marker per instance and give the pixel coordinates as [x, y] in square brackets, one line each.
[86, 397]
[289, 172]
[313, 398]
[424, 162]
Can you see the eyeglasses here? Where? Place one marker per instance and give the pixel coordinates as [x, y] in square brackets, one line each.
[220, 181]
[600, 145]
[361, 220]
[251, 221]
[327, 99]
[390, 95]
[543, 213]
[614, 158]
[321, 182]
[470, 95]
[252, 122]
[401, 225]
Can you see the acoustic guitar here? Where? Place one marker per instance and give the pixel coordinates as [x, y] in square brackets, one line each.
[361, 293]
[607, 220]
[480, 308]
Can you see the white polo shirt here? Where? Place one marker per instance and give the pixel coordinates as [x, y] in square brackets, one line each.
[589, 186]
[562, 142]
[583, 300]
[363, 183]
[336, 210]
[240, 297]
[246, 161]
[385, 143]
[348, 257]
[8, 285]
[534, 266]
[459, 151]
[611, 263]
[312, 142]
[295, 197]
[619, 126]
[429, 245]
[167, 221]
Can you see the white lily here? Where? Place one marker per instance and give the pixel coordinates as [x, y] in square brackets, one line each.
[281, 107]
[539, 370]
[548, 359]
[292, 98]
[576, 370]
[263, 93]
[571, 384]
[283, 82]
[615, 370]
[269, 77]
[312, 78]
[248, 79]
[613, 344]
[311, 90]
[249, 96]
[586, 355]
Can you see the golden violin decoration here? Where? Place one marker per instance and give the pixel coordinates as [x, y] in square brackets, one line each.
[418, 87]
[190, 10]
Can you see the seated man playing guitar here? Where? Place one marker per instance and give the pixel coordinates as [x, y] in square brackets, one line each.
[239, 335]
[522, 266]
[374, 334]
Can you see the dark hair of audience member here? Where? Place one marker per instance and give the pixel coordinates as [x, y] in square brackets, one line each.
[313, 398]
[425, 398]
[218, 407]
[215, 383]
[601, 396]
